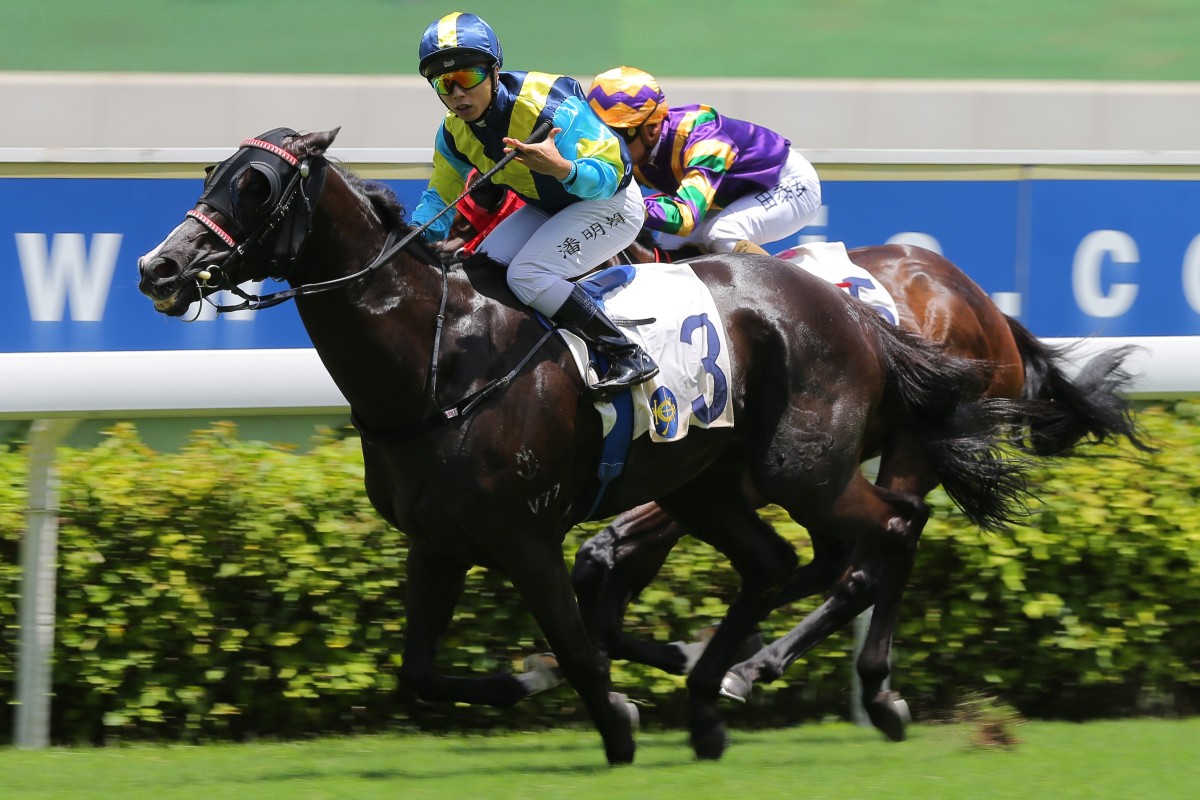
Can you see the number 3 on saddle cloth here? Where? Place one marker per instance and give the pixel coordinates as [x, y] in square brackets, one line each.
[667, 310]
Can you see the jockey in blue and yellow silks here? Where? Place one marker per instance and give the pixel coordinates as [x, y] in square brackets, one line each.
[523, 100]
[582, 205]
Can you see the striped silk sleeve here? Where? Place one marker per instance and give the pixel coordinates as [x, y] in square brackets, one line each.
[708, 154]
[592, 147]
[445, 185]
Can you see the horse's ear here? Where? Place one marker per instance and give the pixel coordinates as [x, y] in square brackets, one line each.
[316, 143]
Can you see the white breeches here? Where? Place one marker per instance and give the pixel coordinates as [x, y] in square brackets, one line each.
[761, 218]
[542, 251]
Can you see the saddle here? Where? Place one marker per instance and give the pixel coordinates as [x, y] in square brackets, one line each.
[670, 313]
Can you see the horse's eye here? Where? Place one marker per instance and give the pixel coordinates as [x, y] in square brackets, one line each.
[251, 190]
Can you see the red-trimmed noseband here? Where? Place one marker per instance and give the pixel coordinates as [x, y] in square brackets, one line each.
[207, 222]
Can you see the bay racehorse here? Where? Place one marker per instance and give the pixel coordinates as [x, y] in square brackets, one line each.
[481, 440]
[936, 300]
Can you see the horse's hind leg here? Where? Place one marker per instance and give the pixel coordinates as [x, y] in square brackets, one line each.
[878, 572]
[891, 560]
[716, 511]
[829, 559]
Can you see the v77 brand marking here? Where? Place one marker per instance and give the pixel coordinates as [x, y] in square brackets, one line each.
[542, 501]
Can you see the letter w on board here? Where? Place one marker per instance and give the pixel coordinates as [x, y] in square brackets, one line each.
[65, 269]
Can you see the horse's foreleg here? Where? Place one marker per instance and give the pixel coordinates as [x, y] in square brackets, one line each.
[435, 584]
[540, 575]
[611, 569]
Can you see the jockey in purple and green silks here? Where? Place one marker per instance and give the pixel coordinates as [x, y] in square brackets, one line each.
[720, 180]
[697, 153]
[582, 206]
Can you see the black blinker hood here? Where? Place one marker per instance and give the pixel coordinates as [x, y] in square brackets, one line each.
[285, 225]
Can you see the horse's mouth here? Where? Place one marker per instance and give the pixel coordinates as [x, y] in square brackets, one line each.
[170, 299]
[169, 307]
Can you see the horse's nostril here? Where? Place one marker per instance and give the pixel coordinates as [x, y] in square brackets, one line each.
[164, 269]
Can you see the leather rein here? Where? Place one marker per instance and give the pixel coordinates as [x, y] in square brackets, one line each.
[218, 277]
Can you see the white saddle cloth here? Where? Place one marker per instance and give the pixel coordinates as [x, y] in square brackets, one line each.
[682, 331]
[829, 261]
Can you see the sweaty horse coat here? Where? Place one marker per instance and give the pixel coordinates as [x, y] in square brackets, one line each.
[815, 379]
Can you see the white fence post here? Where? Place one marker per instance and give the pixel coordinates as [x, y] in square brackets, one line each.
[39, 548]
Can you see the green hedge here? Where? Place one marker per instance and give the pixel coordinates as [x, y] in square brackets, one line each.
[240, 589]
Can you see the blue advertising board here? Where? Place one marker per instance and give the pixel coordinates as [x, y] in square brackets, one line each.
[1114, 258]
[1072, 257]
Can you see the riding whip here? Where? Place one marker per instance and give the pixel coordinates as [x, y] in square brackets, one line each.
[539, 133]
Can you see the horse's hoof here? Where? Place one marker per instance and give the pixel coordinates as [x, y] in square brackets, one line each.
[710, 744]
[622, 752]
[890, 714]
[735, 687]
[691, 652]
[624, 705]
[541, 673]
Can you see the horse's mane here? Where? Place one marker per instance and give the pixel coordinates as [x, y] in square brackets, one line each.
[390, 210]
[382, 198]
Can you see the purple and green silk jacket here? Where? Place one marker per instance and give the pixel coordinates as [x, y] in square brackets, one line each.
[704, 161]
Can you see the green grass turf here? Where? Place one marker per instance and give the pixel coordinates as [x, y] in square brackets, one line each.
[1024, 39]
[1055, 761]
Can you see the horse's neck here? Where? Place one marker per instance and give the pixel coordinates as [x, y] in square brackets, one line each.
[375, 335]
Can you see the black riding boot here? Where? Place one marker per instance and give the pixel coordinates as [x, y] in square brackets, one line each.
[628, 364]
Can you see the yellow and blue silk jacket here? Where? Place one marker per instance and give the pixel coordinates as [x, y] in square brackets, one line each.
[523, 101]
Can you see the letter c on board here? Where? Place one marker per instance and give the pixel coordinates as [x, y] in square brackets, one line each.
[1090, 294]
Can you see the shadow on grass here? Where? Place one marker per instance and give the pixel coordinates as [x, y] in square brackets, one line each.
[461, 764]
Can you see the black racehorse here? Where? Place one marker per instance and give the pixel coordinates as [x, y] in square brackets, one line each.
[936, 300]
[481, 441]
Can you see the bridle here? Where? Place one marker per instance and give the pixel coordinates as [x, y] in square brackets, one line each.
[306, 179]
[287, 225]
[295, 185]
[284, 227]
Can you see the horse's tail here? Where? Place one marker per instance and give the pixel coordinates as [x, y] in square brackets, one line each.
[1063, 412]
[941, 400]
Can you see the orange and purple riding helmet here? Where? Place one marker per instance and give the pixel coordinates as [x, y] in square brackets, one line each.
[627, 98]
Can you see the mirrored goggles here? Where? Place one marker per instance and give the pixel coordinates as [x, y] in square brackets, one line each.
[467, 78]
